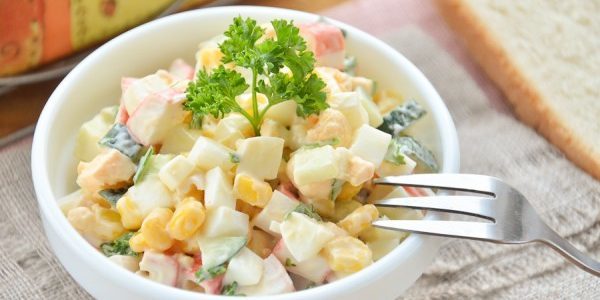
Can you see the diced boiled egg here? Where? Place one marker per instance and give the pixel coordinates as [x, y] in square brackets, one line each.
[303, 236]
[284, 113]
[176, 171]
[219, 192]
[314, 269]
[260, 157]
[275, 280]
[313, 165]
[207, 154]
[350, 104]
[371, 144]
[180, 138]
[224, 221]
[245, 268]
[275, 210]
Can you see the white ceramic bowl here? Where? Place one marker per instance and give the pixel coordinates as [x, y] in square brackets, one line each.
[95, 83]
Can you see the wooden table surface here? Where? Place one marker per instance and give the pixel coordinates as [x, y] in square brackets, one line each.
[21, 107]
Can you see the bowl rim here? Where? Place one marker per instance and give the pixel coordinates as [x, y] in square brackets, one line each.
[94, 259]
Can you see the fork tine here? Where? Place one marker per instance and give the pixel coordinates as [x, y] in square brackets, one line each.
[468, 205]
[468, 230]
[456, 182]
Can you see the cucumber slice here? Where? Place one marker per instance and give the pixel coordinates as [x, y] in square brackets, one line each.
[217, 251]
[118, 137]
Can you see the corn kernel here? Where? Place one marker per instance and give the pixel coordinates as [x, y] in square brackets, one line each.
[137, 243]
[348, 192]
[251, 190]
[359, 219]
[187, 219]
[347, 254]
[130, 216]
[154, 229]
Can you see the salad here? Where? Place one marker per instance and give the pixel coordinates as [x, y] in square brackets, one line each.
[250, 173]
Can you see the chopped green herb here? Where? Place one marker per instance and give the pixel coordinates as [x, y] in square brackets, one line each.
[336, 188]
[333, 142]
[206, 274]
[113, 195]
[234, 158]
[406, 145]
[231, 290]
[401, 118]
[119, 246]
[308, 210]
[143, 166]
[214, 94]
[118, 138]
[289, 263]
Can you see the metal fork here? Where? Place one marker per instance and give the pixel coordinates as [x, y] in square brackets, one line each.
[514, 219]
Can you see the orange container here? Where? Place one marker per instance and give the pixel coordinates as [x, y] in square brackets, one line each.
[35, 32]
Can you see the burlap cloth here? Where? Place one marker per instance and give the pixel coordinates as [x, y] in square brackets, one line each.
[492, 142]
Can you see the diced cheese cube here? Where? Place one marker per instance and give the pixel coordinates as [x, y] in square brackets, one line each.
[224, 221]
[273, 128]
[91, 132]
[275, 280]
[375, 117]
[175, 172]
[371, 144]
[260, 156]
[207, 154]
[349, 104]
[304, 236]
[245, 268]
[313, 165]
[180, 139]
[219, 191]
[276, 209]
[105, 170]
[284, 113]
[139, 89]
[155, 116]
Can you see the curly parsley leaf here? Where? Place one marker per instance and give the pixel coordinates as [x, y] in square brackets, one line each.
[119, 246]
[214, 94]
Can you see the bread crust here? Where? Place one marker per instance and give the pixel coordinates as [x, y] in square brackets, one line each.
[526, 99]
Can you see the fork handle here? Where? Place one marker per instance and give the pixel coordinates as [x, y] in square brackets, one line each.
[566, 249]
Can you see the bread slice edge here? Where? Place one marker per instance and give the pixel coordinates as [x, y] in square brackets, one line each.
[527, 101]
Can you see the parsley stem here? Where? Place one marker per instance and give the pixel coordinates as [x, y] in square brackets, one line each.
[254, 100]
[252, 121]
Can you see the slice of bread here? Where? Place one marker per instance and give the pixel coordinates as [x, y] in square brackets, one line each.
[545, 56]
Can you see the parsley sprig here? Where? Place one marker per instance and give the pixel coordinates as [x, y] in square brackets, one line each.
[214, 93]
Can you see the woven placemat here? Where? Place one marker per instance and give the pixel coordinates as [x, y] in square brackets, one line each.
[492, 142]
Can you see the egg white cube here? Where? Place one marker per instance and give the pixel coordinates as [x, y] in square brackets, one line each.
[260, 156]
[389, 169]
[284, 113]
[314, 165]
[180, 139]
[314, 269]
[304, 236]
[245, 268]
[149, 194]
[275, 210]
[375, 117]
[175, 172]
[275, 280]
[370, 144]
[232, 128]
[219, 190]
[224, 221]
[207, 154]
[349, 104]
